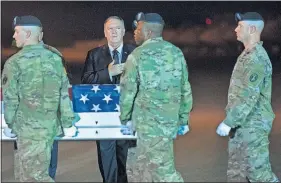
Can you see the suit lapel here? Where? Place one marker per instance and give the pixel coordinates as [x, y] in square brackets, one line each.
[106, 54]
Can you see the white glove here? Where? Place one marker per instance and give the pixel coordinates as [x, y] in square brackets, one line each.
[182, 130]
[8, 132]
[70, 132]
[223, 129]
[127, 129]
[115, 69]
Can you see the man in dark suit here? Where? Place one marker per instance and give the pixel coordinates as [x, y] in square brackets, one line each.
[104, 65]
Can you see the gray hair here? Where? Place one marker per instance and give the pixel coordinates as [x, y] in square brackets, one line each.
[116, 18]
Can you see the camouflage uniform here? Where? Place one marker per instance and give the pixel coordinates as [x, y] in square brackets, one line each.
[156, 96]
[131, 160]
[249, 106]
[36, 102]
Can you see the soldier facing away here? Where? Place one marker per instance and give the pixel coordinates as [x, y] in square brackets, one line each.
[155, 101]
[36, 101]
[249, 107]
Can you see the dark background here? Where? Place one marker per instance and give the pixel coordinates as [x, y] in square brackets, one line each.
[66, 23]
[210, 51]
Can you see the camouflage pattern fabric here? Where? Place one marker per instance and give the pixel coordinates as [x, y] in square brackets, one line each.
[154, 161]
[66, 66]
[249, 106]
[156, 95]
[155, 92]
[249, 94]
[131, 160]
[36, 100]
[28, 168]
[249, 157]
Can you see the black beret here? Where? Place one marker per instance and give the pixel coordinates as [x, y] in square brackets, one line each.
[148, 17]
[252, 16]
[26, 21]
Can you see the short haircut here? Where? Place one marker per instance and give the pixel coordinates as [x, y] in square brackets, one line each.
[116, 18]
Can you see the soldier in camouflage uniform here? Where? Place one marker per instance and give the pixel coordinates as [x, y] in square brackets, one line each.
[155, 99]
[36, 101]
[249, 108]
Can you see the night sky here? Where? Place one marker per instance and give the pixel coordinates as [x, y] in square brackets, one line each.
[64, 22]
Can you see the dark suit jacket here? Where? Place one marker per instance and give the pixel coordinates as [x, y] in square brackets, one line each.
[95, 69]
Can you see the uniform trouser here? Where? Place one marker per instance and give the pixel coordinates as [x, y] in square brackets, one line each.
[54, 159]
[32, 160]
[112, 159]
[131, 160]
[249, 157]
[154, 161]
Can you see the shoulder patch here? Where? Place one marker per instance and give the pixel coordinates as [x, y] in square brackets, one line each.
[5, 79]
[254, 77]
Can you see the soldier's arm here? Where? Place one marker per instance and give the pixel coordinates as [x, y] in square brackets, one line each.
[90, 75]
[67, 69]
[128, 89]
[247, 97]
[65, 109]
[10, 91]
[186, 96]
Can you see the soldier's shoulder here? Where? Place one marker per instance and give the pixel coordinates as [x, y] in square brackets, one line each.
[52, 50]
[25, 54]
[169, 44]
[262, 54]
[173, 48]
[258, 61]
[12, 57]
[258, 56]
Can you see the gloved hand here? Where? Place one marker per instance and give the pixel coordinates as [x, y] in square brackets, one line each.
[70, 132]
[127, 129]
[8, 132]
[182, 130]
[115, 69]
[223, 129]
[76, 119]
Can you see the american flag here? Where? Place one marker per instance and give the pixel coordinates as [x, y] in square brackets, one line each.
[97, 105]
[95, 98]
[98, 109]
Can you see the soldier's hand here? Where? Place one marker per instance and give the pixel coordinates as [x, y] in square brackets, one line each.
[223, 129]
[70, 132]
[182, 130]
[8, 132]
[115, 69]
[76, 119]
[127, 129]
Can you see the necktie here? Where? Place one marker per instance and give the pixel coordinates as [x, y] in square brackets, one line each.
[115, 57]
